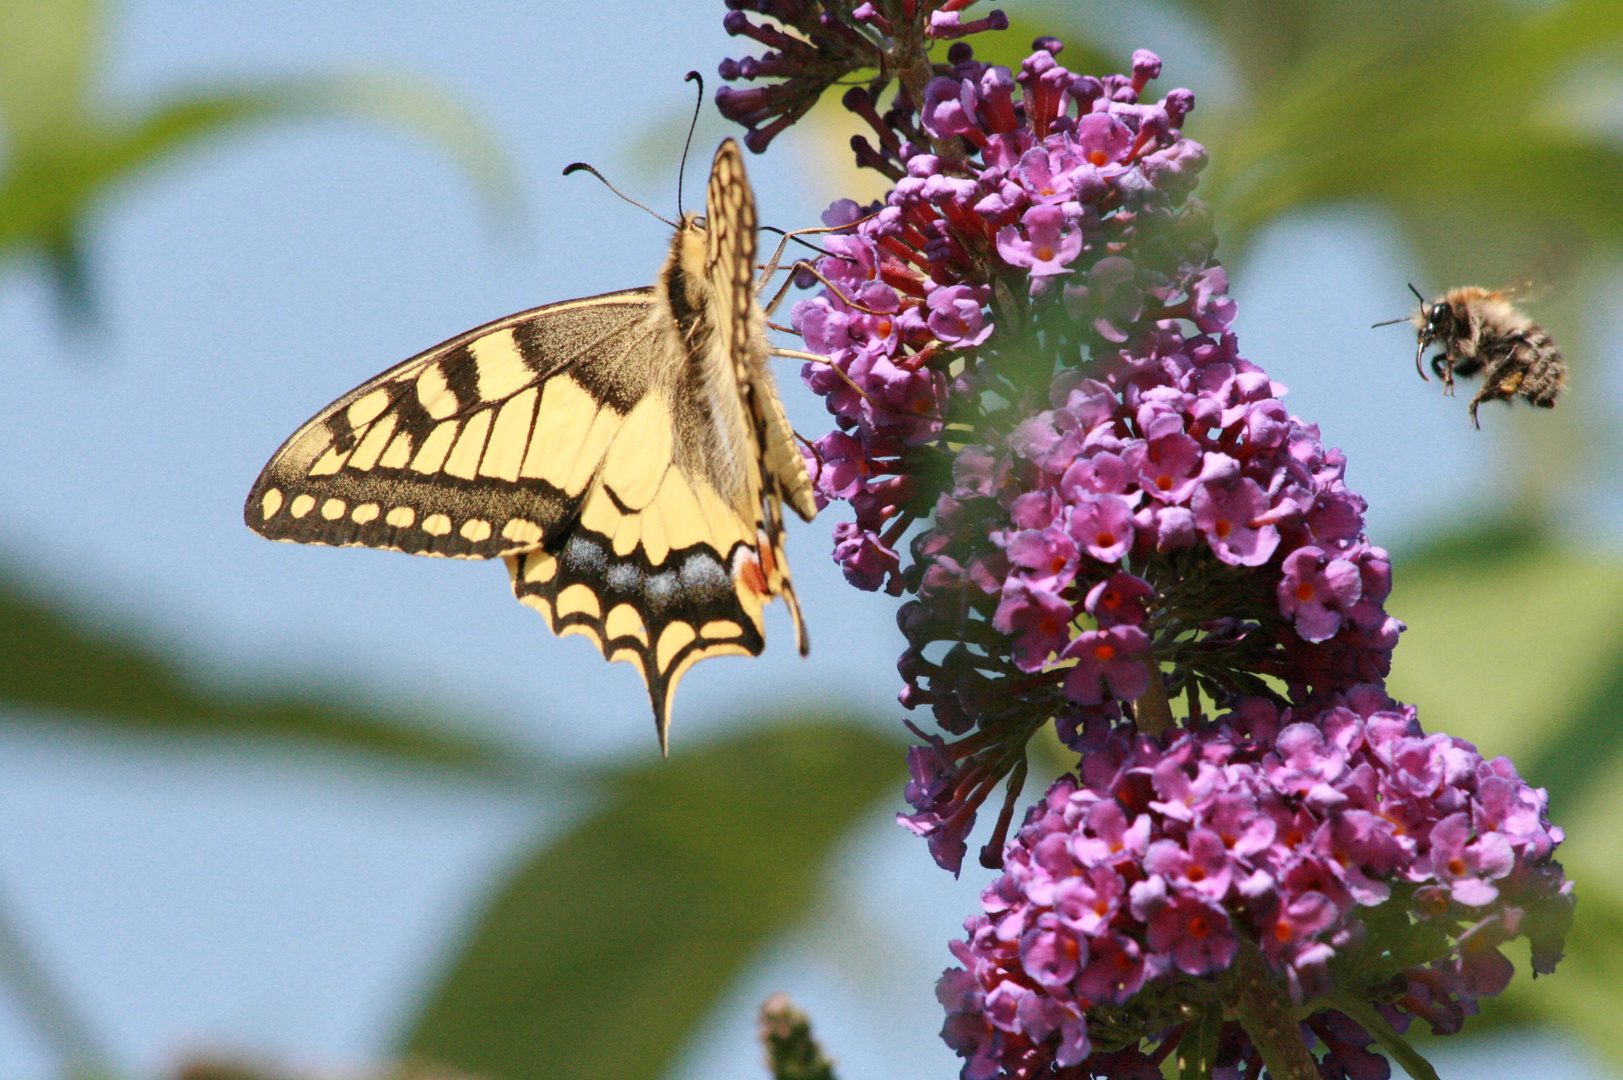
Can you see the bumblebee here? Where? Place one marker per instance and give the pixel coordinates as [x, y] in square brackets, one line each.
[1483, 333]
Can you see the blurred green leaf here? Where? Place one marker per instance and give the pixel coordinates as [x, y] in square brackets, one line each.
[61, 156]
[1516, 643]
[1576, 765]
[47, 49]
[1463, 109]
[1586, 992]
[1513, 642]
[606, 950]
[56, 664]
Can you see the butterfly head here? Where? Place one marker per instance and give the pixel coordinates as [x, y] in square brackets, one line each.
[683, 280]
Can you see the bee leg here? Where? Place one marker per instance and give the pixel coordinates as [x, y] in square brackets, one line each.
[1504, 369]
[1442, 366]
[1481, 396]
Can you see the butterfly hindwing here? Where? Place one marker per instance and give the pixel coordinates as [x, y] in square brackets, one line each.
[697, 555]
[626, 454]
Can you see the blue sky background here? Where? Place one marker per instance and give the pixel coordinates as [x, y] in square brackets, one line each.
[226, 899]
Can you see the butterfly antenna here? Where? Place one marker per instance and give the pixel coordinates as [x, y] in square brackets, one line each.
[692, 76]
[581, 166]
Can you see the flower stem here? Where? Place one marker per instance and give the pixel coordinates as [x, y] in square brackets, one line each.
[911, 57]
[1152, 711]
[1264, 1011]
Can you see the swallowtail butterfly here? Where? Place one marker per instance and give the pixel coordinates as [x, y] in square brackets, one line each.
[626, 454]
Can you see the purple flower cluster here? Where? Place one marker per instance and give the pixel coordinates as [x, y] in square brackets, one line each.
[1113, 524]
[832, 41]
[1294, 837]
[1049, 192]
[1163, 516]
[1169, 518]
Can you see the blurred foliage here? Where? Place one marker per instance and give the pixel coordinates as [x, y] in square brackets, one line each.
[79, 672]
[1470, 121]
[62, 154]
[1450, 115]
[1515, 643]
[792, 1051]
[613, 943]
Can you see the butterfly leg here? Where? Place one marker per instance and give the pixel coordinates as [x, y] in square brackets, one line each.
[771, 266]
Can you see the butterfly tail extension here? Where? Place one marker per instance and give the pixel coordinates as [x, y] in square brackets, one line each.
[802, 642]
[775, 566]
[662, 619]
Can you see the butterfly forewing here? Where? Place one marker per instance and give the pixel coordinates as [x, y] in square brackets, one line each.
[626, 453]
[481, 446]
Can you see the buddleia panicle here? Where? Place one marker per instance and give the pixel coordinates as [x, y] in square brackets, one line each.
[1102, 515]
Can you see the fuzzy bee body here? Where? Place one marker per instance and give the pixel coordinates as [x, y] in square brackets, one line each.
[1483, 333]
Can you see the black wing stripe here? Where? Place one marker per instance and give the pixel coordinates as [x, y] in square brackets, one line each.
[460, 371]
[380, 512]
[594, 361]
[430, 457]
